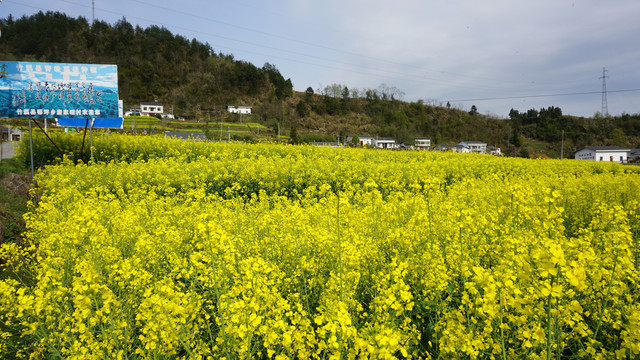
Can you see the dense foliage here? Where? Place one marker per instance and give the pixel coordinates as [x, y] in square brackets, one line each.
[549, 124]
[173, 249]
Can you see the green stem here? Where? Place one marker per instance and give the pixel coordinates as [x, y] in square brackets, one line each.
[504, 351]
[549, 323]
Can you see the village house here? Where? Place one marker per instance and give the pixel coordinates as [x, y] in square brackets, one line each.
[385, 143]
[240, 109]
[457, 148]
[422, 143]
[604, 153]
[493, 150]
[151, 108]
[474, 146]
[363, 139]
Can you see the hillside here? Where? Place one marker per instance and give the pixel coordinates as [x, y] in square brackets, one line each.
[197, 83]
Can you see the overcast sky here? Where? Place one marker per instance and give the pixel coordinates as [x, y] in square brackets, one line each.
[495, 54]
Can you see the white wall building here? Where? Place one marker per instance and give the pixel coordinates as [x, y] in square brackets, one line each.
[474, 146]
[363, 139]
[385, 143]
[493, 150]
[151, 108]
[604, 153]
[240, 109]
[422, 143]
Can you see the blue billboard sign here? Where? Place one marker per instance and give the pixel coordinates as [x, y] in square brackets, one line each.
[102, 123]
[53, 90]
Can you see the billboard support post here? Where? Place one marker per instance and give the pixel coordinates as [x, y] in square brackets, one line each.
[91, 139]
[31, 153]
[84, 136]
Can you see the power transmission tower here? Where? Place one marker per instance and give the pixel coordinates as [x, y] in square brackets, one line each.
[604, 111]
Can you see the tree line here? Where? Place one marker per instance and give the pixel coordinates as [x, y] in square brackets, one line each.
[152, 63]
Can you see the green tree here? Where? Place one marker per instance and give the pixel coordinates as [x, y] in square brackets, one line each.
[302, 109]
[515, 137]
[355, 140]
[618, 137]
[474, 110]
[308, 94]
[293, 134]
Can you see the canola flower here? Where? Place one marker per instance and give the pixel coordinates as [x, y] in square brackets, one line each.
[195, 250]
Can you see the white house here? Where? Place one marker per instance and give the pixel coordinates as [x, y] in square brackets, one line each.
[493, 150]
[422, 143]
[474, 146]
[151, 108]
[363, 139]
[460, 149]
[385, 143]
[604, 153]
[240, 109]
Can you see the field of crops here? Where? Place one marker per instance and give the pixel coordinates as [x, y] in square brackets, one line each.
[169, 249]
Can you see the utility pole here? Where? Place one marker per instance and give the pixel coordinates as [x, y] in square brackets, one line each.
[604, 111]
[93, 11]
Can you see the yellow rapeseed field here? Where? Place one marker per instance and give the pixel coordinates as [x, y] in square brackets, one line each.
[167, 249]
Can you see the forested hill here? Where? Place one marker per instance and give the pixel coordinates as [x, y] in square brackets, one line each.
[198, 82]
[152, 63]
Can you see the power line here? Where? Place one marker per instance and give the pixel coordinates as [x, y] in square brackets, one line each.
[359, 67]
[354, 68]
[543, 95]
